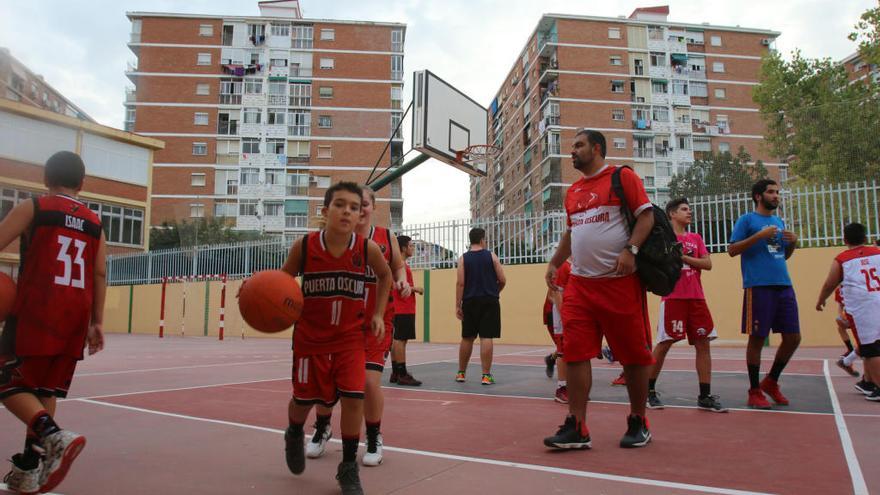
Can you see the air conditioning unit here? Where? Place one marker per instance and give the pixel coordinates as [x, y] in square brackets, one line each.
[766, 41]
[313, 180]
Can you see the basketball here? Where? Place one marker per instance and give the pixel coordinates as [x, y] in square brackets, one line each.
[270, 301]
[7, 295]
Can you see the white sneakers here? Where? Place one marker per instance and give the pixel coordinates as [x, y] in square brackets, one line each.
[315, 449]
[25, 481]
[373, 458]
[62, 447]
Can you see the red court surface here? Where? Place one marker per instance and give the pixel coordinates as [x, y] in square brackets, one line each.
[197, 416]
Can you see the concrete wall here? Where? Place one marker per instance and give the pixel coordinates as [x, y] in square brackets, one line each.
[521, 303]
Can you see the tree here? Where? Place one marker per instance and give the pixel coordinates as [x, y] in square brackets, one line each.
[867, 35]
[718, 173]
[202, 231]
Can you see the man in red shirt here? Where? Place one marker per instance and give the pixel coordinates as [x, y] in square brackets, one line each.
[604, 295]
[59, 308]
[404, 319]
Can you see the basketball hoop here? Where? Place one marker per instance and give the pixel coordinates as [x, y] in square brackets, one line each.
[478, 153]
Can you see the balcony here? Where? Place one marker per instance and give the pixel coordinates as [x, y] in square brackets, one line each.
[230, 99]
[229, 128]
[660, 72]
[299, 130]
[298, 159]
[661, 152]
[397, 75]
[276, 100]
[681, 100]
[131, 66]
[642, 124]
[643, 153]
[297, 71]
[660, 98]
[397, 46]
[296, 221]
[130, 94]
[128, 126]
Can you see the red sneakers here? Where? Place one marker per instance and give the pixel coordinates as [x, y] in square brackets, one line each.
[771, 388]
[562, 394]
[757, 399]
[620, 380]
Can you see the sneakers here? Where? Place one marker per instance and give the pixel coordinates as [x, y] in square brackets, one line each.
[865, 387]
[459, 377]
[847, 367]
[620, 380]
[394, 377]
[487, 379]
[408, 380]
[607, 354]
[757, 399]
[711, 403]
[654, 401]
[62, 447]
[316, 447]
[348, 478]
[562, 394]
[875, 395]
[771, 388]
[373, 455]
[637, 433]
[23, 480]
[294, 451]
[551, 365]
[568, 436]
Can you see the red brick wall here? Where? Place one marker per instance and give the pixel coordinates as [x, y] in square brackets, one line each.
[179, 30]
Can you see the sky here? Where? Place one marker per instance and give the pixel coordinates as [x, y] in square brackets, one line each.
[80, 49]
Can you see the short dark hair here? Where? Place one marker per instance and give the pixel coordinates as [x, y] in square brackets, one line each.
[476, 235]
[403, 241]
[594, 138]
[674, 204]
[759, 187]
[342, 186]
[854, 234]
[64, 169]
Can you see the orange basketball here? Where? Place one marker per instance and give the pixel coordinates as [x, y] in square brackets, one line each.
[7, 295]
[270, 301]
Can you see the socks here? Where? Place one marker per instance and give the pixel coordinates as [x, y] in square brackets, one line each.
[652, 382]
[296, 428]
[776, 370]
[322, 422]
[561, 383]
[394, 367]
[30, 457]
[754, 370]
[402, 368]
[42, 424]
[848, 344]
[850, 358]
[350, 448]
[373, 428]
[705, 390]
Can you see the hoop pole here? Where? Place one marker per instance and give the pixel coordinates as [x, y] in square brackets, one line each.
[162, 309]
[406, 167]
[222, 307]
[183, 312]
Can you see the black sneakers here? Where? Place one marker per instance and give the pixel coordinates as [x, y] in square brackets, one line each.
[637, 434]
[294, 450]
[654, 401]
[551, 365]
[568, 437]
[875, 395]
[711, 403]
[865, 387]
[349, 480]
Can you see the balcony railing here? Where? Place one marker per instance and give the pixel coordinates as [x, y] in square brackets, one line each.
[130, 94]
[276, 100]
[643, 153]
[296, 221]
[131, 66]
[299, 130]
[397, 75]
[297, 190]
[135, 38]
[297, 71]
[230, 99]
[228, 128]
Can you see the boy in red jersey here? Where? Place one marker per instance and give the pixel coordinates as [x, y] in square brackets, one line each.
[404, 319]
[328, 339]
[553, 320]
[59, 307]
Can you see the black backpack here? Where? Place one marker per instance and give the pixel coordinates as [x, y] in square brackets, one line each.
[659, 260]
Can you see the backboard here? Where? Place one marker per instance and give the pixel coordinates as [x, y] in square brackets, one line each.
[446, 121]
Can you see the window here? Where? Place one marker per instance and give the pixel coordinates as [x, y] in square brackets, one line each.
[324, 121]
[230, 91]
[648, 181]
[275, 145]
[226, 37]
[196, 210]
[325, 151]
[397, 40]
[224, 209]
[121, 225]
[396, 97]
[614, 33]
[250, 145]
[299, 149]
[617, 86]
[397, 67]
[663, 169]
[275, 116]
[659, 87]
[717, 66]
[328, 34]
[200, 118]
[620, 143]
[720, 93]
[327, 63]
[273, 209]
[197, 180]
[615, 60]
[658, 59]
[699, 89]
[200, 149]
[203, 89]
[278, 62]
[203, 59]
[250, 176]
[247, 207]
[275, 176]
[684, 142]
[251, 115]
[618, 114]
[297, 184]
[225, 147]
[724, 147]
[660, 114]
[206, 30]
[279, 29]
[300, 95]
[715, 40]
[253, 86]
[679, 87]
[325, 92]
[302, 36]
[299, 123]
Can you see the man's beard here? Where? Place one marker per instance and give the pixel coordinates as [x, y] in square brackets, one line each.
[579, 164]
[769, 205]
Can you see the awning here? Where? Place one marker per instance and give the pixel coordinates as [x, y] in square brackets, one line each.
[296, 207]
[660, 81]
[679, 57]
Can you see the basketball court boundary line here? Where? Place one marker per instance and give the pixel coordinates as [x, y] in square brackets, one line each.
[454, 457]
[4, 486]
[663, 371]
[852, 460]
[174, 368]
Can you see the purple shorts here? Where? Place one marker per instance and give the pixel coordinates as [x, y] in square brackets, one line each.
[770, 308]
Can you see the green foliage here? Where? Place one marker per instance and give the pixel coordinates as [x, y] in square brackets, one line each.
[867, 35]
[202, 231]
[718, 173]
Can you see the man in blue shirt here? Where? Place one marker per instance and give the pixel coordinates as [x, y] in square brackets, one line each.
[769, 302]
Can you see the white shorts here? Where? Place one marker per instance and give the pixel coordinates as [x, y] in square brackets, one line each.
[557, 321]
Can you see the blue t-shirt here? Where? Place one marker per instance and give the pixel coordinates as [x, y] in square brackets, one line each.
[764, 263]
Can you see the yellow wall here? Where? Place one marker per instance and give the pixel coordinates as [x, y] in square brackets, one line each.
[521, 304]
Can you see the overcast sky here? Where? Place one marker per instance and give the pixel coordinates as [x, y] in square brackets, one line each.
[80, 48]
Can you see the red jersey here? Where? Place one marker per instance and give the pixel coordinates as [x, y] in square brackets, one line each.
[562, 276]
[382, 237]
[53, 303]
[405, 305]
[333, 297]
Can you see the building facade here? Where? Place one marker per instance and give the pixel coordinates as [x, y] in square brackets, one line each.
[662, 93]
[859, 70]
[261, 115]
[20, 84]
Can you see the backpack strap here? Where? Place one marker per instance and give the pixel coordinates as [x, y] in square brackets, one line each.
[617, 187]
[302, 264]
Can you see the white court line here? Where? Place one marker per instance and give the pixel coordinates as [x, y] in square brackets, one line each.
[664, 370]
[215, 365]
[178, 389]
[4, 486]
[852, 461]
[439, 455]
[862, 415]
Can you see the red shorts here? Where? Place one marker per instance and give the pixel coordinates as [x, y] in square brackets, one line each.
[323, 378]
[685, 317]
[377, 350]
[614, 307]
[46, 376]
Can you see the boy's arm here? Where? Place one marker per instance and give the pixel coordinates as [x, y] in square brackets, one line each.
[383, 286]
[16, 223]
[398, 268]
[95, 336]
[499, 272]
[563, 252]
[704, 263]
[835, 276]
[459, 287]
[294, 258]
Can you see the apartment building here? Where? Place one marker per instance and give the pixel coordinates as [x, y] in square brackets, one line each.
[18, 83]
[262, 114]
[859, 70]
[662, 92]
